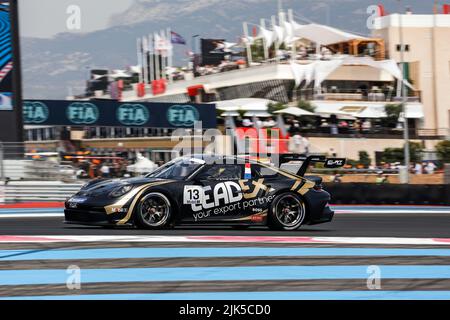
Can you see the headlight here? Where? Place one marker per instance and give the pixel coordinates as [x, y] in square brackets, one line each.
[121, 191]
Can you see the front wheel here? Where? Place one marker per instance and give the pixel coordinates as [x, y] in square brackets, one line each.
[287, 212]
[154, 211]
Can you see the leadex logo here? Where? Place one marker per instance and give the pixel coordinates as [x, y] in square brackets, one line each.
[132, 114]
[34, 112]
[182, 115]
[82, 113]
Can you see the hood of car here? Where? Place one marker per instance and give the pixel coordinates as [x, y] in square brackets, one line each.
[102, 187]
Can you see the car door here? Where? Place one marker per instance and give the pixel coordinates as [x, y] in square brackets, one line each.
[214, 194]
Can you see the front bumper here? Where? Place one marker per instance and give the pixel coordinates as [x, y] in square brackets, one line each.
[91, 217]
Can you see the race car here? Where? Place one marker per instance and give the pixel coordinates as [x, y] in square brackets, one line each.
[199, 190]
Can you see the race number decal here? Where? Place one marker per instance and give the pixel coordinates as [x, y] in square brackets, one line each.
[193, 195]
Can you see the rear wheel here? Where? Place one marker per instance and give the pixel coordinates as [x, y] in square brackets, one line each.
[154, 211]
[287, 212]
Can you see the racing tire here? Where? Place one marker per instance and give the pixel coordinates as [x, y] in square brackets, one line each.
[287, 212]
[154, 211]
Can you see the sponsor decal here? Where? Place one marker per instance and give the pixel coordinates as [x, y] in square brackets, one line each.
[34, 112]
[82, 113]
[225, 198]
[193, 195]
[132, 114]
[182, 115]
[334, 162]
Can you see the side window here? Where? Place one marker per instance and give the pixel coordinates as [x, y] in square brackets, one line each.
[221, 172]
[263, 172]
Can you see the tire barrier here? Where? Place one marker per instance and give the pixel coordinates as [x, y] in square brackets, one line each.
[402, 194]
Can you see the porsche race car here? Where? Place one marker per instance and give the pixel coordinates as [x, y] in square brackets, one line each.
[197, 190]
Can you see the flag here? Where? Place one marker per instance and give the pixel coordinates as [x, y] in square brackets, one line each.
[175, 38]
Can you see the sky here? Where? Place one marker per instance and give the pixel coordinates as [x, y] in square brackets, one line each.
[46, 18]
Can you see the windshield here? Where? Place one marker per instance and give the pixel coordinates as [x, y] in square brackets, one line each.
[177, 169]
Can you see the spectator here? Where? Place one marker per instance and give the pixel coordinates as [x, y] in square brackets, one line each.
[430, 167]
[418, 168]
[247, 122]
[105, 170]
[381, 178]
[366, 126]
[299, 144]
[269, 123]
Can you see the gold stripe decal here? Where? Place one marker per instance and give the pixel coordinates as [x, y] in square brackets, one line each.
[136, 198]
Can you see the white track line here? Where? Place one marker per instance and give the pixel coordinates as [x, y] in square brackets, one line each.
[227, 239]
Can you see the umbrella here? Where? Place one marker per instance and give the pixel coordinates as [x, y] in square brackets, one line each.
[295, 111]
[339, 114]
[243, 104]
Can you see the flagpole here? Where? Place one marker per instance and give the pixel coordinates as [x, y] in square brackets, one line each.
[144, 56]
[291, 21]
[157, 69]
[151, 57]
[247, 44]
[277, 43]
[170, 55]
[139, 57]
[266, 48]
[163, 58]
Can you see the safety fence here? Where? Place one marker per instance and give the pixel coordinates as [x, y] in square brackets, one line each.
[24, 191]
[397, 194]
[342, 193]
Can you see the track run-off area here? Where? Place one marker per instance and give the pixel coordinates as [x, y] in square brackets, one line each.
[367, 252]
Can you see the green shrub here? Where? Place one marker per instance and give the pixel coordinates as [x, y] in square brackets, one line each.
[443, 150]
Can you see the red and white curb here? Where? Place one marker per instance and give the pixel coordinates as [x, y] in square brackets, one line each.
[227, 239]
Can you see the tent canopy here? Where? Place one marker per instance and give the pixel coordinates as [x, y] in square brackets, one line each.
[295, 111]
[364, 109]
[322, 34]
[243, 104]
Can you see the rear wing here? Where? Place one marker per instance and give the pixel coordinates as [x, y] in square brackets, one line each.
[329, 163]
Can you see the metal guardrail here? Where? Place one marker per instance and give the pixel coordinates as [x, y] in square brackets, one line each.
[37, 191]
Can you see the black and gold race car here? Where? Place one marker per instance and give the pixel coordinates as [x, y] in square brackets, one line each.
[200, 189]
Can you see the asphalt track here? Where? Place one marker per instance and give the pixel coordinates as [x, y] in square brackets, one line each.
[409, 247]
[427, 222]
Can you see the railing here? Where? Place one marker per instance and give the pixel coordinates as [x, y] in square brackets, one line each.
[21, 191]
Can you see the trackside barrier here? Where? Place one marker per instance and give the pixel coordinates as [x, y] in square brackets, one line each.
[403, 194]
[21, 191]
[342, 193]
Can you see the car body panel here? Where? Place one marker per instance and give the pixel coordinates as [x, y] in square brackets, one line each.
[239, 199]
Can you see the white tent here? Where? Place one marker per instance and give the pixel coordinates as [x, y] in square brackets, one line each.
[142, 165]
[243, 104]
[295, 111]
[320, 70]
[323, 35]
[256, 113]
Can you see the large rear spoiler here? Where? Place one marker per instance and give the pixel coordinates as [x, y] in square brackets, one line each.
[307, 160]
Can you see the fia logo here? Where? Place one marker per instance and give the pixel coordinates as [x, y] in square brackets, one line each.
[34, 112]
[132, 114]
[82, 113]
[182, 115]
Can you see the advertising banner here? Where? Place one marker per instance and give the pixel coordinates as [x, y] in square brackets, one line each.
[6, 63]
[117, 114]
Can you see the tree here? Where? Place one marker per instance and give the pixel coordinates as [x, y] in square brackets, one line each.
[364, 159]
[392, 114]
[443, 150]
[391, 155]
[272, 107]
[306, 105]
